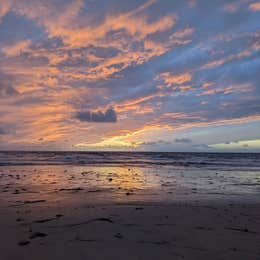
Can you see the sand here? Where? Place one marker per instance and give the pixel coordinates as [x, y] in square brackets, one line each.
[123, 213]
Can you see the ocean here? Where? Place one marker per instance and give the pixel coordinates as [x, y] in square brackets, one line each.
[227, 161]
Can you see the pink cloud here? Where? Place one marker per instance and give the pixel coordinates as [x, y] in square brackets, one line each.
[254, 7]
[17, 48]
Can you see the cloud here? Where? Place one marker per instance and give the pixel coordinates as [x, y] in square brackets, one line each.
[109, 116]
[4, 8]
[253, 144]
[7, 91]
[132, 33]
[171, 80]
[153, 143]
[242, 88]
[254, 7]
[183, 140]
[201, 146]
[17, 48]
[233, 7]
[2, 131]
[131, 22]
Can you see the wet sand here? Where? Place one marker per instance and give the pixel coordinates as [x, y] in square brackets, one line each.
[63, 212]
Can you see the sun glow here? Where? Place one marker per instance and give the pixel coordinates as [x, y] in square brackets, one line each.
[245, 144]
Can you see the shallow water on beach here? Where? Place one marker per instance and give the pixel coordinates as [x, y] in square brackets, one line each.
[101, 184]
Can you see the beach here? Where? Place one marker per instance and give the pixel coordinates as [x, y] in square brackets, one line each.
[130, 211]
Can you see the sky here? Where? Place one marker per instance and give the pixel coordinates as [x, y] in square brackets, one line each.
[132, 75]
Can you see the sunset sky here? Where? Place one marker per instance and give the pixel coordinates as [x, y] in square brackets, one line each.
[142, 75]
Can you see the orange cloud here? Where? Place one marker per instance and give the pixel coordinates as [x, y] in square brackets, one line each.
[171, 79]
[254, 7]
[4, 8]
[17, 48]
[243, 54]
[132, 22]
[207, 84]
[226, 90]
[76, 31]
[134, 103]
[214, 63]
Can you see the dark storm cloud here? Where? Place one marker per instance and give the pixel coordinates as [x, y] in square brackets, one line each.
[108, 116]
